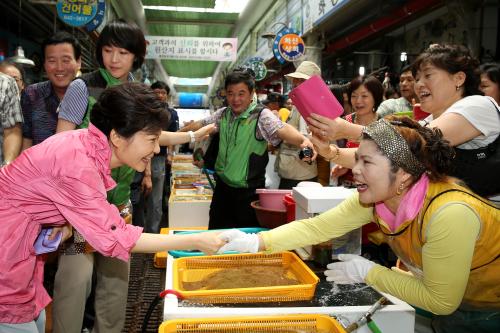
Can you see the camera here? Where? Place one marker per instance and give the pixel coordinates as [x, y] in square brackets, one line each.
[306, 153]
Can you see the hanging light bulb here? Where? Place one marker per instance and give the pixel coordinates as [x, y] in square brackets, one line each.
[19, 58]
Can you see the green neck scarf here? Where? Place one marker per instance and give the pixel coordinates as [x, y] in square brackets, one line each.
[110, 79]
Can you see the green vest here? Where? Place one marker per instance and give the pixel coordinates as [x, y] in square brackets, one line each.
[96, 82]
[242, 158]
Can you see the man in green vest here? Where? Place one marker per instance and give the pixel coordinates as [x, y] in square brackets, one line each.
[245, 129]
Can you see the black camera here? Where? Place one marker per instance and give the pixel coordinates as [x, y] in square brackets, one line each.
[306, 153]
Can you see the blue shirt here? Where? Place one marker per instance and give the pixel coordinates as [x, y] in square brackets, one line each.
[40, 105]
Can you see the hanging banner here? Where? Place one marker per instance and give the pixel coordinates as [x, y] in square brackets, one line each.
[258, 66]
[191, 48]
[77, 13]
[288, 46]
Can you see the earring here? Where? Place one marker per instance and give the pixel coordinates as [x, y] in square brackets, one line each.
[458, 88]
[400, 188]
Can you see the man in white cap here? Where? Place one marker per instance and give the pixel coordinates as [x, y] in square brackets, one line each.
[288, 164]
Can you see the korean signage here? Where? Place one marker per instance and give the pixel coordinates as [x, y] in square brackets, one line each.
[78, 13]
[288, 46]
[191, 48]
[315, 10]
[258, 66]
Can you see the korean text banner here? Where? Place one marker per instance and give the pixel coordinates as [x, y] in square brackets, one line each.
[191, 48]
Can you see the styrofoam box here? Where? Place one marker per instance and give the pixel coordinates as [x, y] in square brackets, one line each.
[320, 199]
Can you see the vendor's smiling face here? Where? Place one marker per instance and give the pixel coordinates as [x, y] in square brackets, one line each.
[375, 180]
[136, 151]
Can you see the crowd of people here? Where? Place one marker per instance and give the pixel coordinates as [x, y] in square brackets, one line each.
[80, 150]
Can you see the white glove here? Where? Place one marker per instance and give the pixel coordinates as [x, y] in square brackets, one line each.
[350, 269]
[239, 241]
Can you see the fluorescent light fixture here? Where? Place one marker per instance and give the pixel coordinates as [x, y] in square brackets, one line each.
[361, 70]
[183, 81]
[221, 6]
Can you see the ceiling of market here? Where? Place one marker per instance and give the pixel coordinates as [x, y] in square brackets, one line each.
[191, 18]
[36, 19]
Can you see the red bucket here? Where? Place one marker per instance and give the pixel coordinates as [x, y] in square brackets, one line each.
[289, 202]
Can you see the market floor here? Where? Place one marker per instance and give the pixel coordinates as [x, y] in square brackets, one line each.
[145, 283]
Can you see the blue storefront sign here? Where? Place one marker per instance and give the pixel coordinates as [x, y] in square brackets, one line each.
[79, 13]
[288, 46]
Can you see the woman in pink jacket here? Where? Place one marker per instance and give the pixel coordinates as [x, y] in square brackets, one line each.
[64, 180]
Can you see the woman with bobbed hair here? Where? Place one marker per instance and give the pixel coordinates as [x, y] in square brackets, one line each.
[446, 236]
[62, 183]
[447, 84]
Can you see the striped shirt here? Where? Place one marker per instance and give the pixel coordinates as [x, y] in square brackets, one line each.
[40, 106]
[75, 101]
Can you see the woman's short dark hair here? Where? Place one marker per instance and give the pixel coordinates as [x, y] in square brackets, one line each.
[492, 71]
[127, 35]
[129, 108]
[453, 59]
[241, 75]
[61, 37]
[372, 84]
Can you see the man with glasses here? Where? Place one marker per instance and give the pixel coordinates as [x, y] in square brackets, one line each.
[14, 71]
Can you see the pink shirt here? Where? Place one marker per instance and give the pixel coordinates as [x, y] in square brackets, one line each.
[64, 178]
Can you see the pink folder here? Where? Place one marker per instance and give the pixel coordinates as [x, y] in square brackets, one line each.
[314, 96]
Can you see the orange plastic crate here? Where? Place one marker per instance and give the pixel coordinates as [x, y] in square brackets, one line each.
[287, 323]
[190, 269]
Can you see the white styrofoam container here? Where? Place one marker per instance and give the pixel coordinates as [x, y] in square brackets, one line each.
[316, 200]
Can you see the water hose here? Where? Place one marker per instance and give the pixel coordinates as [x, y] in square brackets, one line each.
[154, 303]
[367, 318]
[373, 327]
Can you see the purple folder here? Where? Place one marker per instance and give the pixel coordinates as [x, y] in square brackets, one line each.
[314, 96]
[43, 244]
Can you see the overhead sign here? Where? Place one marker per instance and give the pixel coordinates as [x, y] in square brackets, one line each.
[191, 48]
[314, 11]
[79, 13]
[288, 46]
[258, 66]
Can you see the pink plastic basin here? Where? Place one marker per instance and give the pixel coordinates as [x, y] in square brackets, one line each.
[272, 199]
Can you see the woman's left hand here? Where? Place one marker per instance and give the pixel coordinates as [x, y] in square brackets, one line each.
[326, 128]
[67, 232]
[204, 132]
[321, 145]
